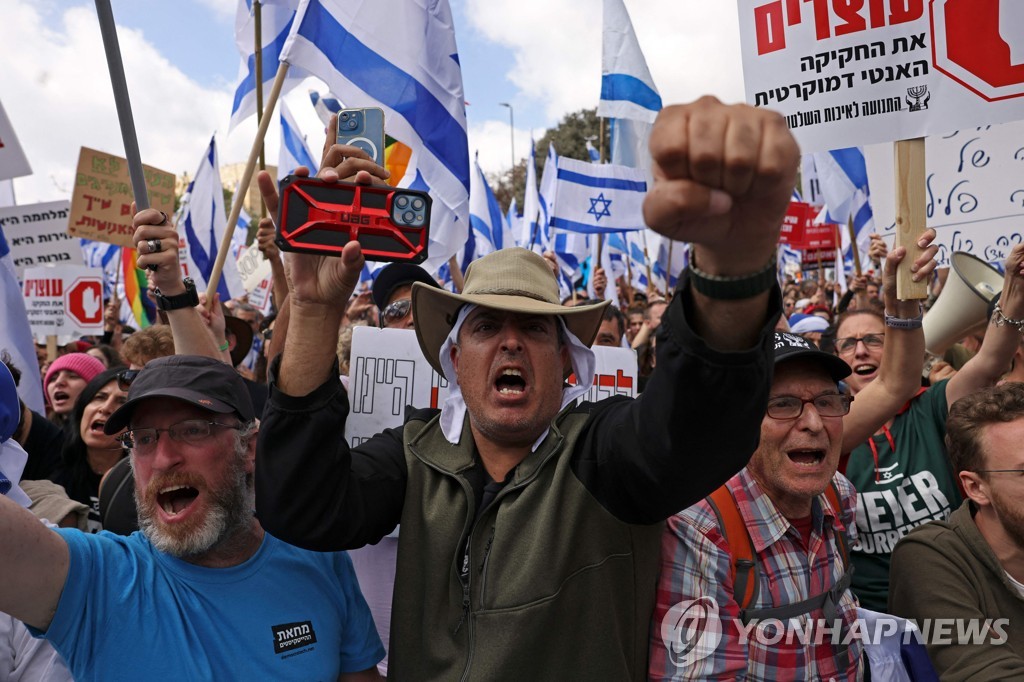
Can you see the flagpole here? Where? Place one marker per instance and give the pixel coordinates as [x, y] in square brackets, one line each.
[854, 246]
[647, 260]
[258, 27]
[250, 166]
[124, 106]
[457, 280]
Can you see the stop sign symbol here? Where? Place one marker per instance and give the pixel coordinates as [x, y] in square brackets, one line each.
[83, 302]
[980, 44]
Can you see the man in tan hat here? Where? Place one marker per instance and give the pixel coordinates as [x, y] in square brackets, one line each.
[531, 527]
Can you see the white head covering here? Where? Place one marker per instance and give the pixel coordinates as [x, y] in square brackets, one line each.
[453, 412]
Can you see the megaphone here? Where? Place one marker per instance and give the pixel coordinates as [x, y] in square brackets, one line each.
[971, 287]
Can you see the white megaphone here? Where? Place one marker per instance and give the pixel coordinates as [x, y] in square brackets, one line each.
[971, 286]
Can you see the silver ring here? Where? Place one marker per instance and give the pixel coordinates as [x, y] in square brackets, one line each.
[154, 245]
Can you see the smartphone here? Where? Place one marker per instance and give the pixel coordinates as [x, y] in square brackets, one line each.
[363, 128]
[390, 224]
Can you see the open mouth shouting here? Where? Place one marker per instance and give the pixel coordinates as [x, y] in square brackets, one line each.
[175, 499]
[96, 427]
[510, 382]
[808, 458]
[60, 399]
[865, 369]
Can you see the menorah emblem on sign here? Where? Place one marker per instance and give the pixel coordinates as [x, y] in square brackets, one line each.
[917, 92]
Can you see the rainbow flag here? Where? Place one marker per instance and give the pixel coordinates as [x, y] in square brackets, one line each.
[396, 159]
[135, 285]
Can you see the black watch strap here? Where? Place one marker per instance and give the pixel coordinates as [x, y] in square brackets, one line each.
[734, 288]
[188, 299]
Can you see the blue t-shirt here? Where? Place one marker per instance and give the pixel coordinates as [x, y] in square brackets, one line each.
[128, 611]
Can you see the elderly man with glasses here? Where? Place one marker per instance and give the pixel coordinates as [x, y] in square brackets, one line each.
[968, 570]
[187, 598]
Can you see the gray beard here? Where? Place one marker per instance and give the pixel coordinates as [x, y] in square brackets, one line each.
[229, 514]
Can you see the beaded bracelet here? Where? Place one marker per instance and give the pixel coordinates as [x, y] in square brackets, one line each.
[1000, 319]
[223, 347]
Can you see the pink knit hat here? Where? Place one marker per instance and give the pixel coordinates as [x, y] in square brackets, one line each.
[85, 366]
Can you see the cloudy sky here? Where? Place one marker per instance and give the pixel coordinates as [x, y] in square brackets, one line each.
[181, 64]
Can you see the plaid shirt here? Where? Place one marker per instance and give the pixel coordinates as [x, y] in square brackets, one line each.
[695, 591]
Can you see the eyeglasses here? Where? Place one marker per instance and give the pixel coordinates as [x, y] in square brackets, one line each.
[395, 311]
[788, 407]
[191, 431]
[999, 471]
[126, 377]
[848, 344]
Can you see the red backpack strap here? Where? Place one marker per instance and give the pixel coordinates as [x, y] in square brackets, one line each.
[832, 495]
[743, 565]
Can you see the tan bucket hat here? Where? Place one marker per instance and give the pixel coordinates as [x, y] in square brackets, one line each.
[512, 279]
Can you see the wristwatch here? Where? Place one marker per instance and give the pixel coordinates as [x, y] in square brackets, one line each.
[188, 299]
[734, 288]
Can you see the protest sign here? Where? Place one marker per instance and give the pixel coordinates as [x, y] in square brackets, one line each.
[260, 298]
[795, 224]
[63, 301]
[974, 190]
[37, 235]
[387, 372]
[253, 268]
[853, 73]
[13, 163]
[101, 204]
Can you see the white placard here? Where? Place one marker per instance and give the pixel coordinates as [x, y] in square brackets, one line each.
[253, 268]
[855, 72]
[37, 235]
[63, 301]
[13, 163]
[974, 190]
[387, 372]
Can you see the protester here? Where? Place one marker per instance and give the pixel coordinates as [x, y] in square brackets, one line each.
[530, 529]
[798, 536]
[22, 657]
[969, 570]
[106, 354]
[88, 451]
[64, 380]
[612, 329]
[148, 344]
[902, 474]
[202, 592]
[392, 292]
[37, 435]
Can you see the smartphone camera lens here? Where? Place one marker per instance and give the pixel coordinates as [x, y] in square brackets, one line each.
[351, 125]
[409, 216]
[402, 201]
[417, 204]
[343, 116]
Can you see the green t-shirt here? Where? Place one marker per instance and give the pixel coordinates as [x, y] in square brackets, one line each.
[910, 486]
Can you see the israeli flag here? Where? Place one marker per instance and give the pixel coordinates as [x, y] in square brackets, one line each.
[275, 23]
[489, 225]
[627, 89]
[294, 152]
[399, 55]
[325, 105]
[593, 198]
[515, 222]
[843, 182]
[546, 197]
[531, 204]
[595, 156]
[15, 332]
[202, 222]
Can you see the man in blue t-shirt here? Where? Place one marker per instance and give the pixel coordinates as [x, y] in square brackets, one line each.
[202, 592]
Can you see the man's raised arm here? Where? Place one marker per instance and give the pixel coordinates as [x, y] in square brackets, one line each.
[34, 565]
[723, 177]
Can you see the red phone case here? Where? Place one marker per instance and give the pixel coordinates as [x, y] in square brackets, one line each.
[390, 224]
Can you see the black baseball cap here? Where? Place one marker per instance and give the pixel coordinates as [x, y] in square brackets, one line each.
[393, 276]
[200, 381]
[793, 347]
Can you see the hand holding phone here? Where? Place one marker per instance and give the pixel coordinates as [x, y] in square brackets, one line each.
[363, 128]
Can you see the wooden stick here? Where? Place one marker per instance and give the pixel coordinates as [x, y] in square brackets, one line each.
[250, 167]
[910, 213]
[51, 347]
[258, 28]
[854, 246]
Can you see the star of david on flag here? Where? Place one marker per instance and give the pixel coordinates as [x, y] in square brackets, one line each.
[586, 193]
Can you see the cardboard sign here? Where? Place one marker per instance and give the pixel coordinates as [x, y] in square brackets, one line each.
[849, 73]
[974, 190]
[387, 372]
[795, 224]
[36, 234]
[64, 301]
[101, 205]
[260, 297]
[13, 163]
[823, 256]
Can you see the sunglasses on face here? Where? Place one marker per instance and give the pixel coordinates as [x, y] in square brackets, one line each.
[125, 378]
[395, 312]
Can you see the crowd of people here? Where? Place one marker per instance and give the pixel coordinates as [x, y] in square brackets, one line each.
[788, 460]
